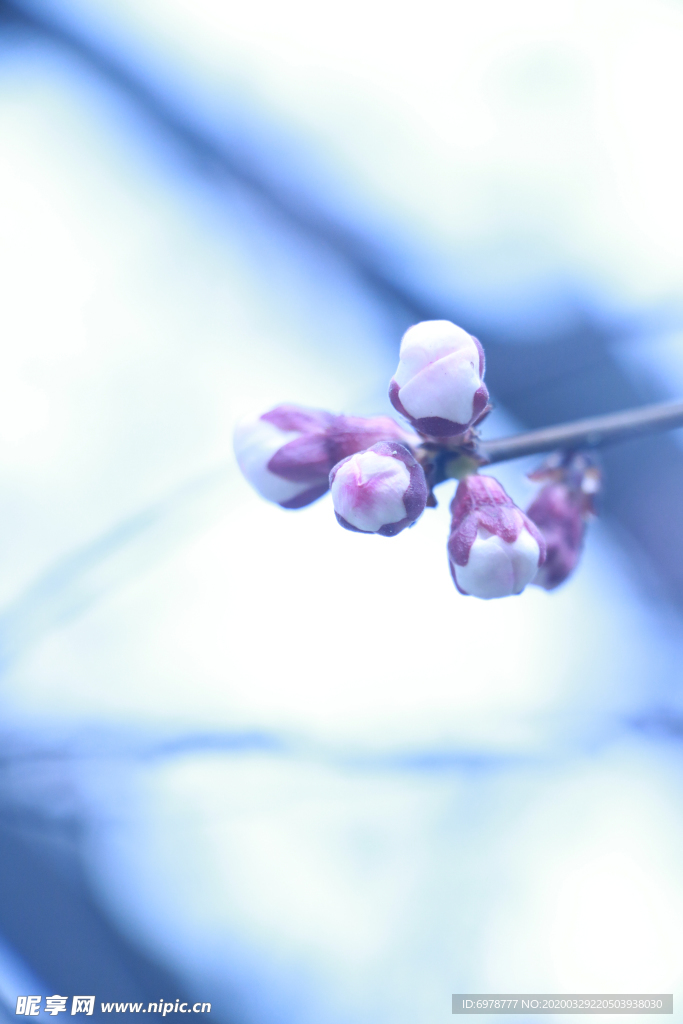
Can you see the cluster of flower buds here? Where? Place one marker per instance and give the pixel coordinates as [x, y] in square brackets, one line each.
[561, 511]
[381, 474]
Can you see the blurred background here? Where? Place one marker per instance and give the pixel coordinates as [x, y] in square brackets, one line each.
[247, 757]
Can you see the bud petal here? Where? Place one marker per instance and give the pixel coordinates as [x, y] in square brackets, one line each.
[286, 454]
[494, 549]
[352, 434]
[260, 441]
[380, 490]
[561, 511]
[438, 385]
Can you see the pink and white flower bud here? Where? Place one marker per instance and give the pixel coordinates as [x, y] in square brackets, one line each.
[380, 490]
[560, 517]
[286, 454]
[439, 383]
[494, 549]
[561, 511]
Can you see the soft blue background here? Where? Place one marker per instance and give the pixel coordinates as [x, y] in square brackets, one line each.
[310, 778]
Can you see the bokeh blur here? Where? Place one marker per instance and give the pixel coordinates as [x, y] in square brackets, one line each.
[248, 757]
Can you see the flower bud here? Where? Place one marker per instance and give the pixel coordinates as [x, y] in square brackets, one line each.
[380, 490]
[287, 454]
[494, 549]
[561, 511]
[438, 385]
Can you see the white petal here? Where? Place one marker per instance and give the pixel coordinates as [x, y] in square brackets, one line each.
[496, 568]
[255, 442]
[445, 387]
[368, 490]
[428, 341]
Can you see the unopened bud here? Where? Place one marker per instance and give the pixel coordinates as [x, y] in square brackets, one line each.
[287, 454]
[380, 490]
[438, 385]
[494, 549]
[561, 511]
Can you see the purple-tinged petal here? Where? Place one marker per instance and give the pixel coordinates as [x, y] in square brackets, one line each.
[561, 511]
[561, 518]
[494, 549]
[256, 442]
[306, 497]
[379, 490]
[288, 452]
[299, 418]
[438, 383]
[306, 459]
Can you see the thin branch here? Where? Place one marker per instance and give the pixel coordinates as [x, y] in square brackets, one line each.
[590, 433]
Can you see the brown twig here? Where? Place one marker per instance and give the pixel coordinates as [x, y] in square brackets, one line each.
[444, 461]
[590, 433]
